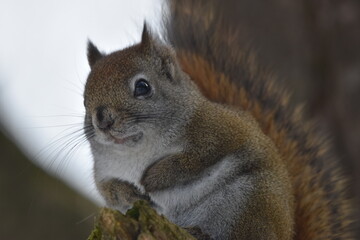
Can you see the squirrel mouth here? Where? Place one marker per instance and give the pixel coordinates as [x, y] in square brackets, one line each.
[134, 138]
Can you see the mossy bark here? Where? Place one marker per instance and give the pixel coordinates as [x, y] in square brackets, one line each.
[141, 222]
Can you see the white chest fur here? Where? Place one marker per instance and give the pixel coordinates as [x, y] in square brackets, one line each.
[199, 203]
[127, 164]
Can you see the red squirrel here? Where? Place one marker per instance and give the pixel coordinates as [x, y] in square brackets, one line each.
[196, 128]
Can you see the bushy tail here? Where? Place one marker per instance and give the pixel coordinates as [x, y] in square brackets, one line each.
[207, 39]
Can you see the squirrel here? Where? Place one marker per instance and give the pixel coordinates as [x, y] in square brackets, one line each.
[196, 128]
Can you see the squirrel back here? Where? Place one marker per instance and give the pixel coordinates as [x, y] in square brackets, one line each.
[208, 51]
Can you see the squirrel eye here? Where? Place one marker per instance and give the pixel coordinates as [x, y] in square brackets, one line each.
[142, 88]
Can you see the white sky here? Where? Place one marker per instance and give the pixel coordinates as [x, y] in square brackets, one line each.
[43, 68]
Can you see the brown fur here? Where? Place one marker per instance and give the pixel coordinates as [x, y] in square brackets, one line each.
[115, 191]
[208, 52]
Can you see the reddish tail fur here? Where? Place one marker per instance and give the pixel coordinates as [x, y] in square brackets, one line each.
[206, 45]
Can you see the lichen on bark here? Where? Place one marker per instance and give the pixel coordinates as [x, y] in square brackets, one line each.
[141, 222]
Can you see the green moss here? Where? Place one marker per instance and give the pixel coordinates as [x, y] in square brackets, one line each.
[95, 234]
[140, 222]
[133, 213]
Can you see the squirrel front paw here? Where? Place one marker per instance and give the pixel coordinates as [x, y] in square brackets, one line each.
[121, 195]
[170, 171]
[158, 176]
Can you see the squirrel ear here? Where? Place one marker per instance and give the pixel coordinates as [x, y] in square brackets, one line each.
[146, 38]
[93, 54]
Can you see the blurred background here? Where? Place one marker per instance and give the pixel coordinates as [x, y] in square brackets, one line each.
[313, 46]
[46, 183]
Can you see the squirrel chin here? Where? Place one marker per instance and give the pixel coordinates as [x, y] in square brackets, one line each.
[134, 138]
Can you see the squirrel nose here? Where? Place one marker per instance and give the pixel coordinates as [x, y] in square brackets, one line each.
[104, 118]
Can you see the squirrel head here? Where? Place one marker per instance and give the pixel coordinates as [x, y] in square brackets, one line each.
[135, 93]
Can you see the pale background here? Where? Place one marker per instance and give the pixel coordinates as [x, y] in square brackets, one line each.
[43, 68]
